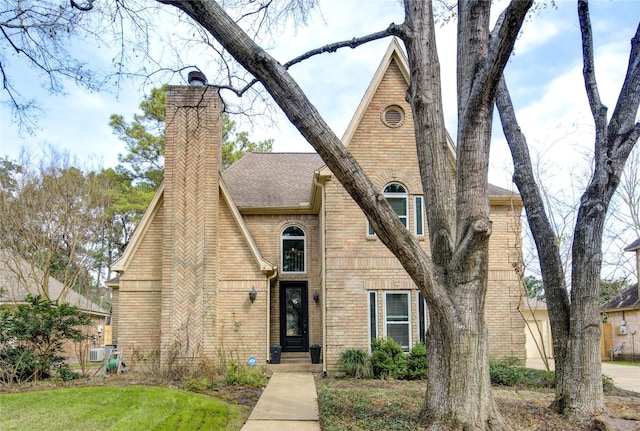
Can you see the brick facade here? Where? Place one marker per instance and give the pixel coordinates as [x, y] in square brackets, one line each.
[197, 253]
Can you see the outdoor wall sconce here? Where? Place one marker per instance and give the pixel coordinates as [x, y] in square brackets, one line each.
[316, 296]
[253, 294]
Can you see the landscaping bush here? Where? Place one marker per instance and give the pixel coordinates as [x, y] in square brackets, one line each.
[417, 363]
[244, 375]
[510, 372]
[357, 363]
[32, 336]
[388, 360]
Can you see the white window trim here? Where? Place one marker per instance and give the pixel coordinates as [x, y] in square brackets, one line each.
[408, 293]
[415, 215]
[304, 239]
[370, 232]
[375, 298]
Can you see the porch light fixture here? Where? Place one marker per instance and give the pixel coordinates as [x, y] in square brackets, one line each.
[253, 294]
[316, 296]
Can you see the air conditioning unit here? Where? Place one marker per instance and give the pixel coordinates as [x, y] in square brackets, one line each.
[622, 330]
[96, 354]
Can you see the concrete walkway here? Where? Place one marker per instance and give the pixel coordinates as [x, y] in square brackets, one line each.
[288, 403]
[624, 376]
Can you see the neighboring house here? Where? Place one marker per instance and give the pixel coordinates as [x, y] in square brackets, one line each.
[620, 331]
[274, 250]
[17, 279]
[537, 328]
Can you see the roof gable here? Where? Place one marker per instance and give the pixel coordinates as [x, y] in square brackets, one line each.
[123, 262]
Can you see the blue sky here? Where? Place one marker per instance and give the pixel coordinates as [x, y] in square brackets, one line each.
[544, 77]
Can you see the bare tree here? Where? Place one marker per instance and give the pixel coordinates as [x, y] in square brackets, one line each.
[575, 314]
[50, 219]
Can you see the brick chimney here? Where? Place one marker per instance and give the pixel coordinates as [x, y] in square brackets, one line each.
[190, 232]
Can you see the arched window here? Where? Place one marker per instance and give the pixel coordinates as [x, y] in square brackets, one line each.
[398, 198]
[293, 250]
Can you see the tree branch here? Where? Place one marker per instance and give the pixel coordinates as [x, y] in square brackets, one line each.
[543, 235]
[392, 30]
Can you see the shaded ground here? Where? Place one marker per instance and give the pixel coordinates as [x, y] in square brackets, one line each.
[394, 405]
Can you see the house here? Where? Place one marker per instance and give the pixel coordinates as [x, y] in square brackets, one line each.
[623, 318]
[18, 278]
[537, 329]
[273, 250]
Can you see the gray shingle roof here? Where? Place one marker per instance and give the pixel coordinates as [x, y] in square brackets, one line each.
[266, 180]
[628, 298]
[14, 289]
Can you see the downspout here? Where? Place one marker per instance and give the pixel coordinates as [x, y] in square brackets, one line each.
[323, 273]
[268, 337]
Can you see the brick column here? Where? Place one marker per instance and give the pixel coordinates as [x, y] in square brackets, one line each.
[191, 200]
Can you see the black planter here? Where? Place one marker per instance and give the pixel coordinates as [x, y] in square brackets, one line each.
[315, 354]
[276, 351]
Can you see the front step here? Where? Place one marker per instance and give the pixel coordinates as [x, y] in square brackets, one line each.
[295, 362]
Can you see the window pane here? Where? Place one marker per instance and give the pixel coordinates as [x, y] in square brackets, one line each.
[397, 307]
[419, 222]
[394, 188]
[293, 231]
[399, 333]
[399, 205]
[292, 253]
[373, 321]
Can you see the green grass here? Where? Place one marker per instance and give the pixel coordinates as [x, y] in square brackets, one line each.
[117, 408]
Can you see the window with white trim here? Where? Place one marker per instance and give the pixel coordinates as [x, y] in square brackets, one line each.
[397, 318]
[418, 216]
[398, 198]
[293, 249]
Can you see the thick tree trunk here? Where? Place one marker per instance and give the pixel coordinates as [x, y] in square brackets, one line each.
[576, 325]
[457, 350]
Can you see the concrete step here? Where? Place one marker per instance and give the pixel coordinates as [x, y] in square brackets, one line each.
[294, 367]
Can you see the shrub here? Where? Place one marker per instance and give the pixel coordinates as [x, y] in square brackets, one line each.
[32, 335]
[244, 375]
[388, 359]
[417, 363]
[357, 363]
[510, 372]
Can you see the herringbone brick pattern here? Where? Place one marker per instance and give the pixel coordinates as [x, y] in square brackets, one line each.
[191, 190]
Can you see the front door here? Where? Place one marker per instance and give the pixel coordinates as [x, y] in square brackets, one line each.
[294, 319]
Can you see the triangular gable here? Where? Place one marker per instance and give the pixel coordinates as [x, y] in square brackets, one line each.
[394, 53]
[264, 265]
[123, 262]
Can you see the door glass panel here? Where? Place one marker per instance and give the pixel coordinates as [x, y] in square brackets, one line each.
[294, 312]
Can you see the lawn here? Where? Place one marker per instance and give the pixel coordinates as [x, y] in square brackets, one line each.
[118, 408]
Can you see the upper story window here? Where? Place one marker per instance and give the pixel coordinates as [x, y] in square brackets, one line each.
[398, 198]
[293, 250]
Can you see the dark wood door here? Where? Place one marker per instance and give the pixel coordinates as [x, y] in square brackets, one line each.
[294, 318]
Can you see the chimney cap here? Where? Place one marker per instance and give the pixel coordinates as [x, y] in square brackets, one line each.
[196, 78]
